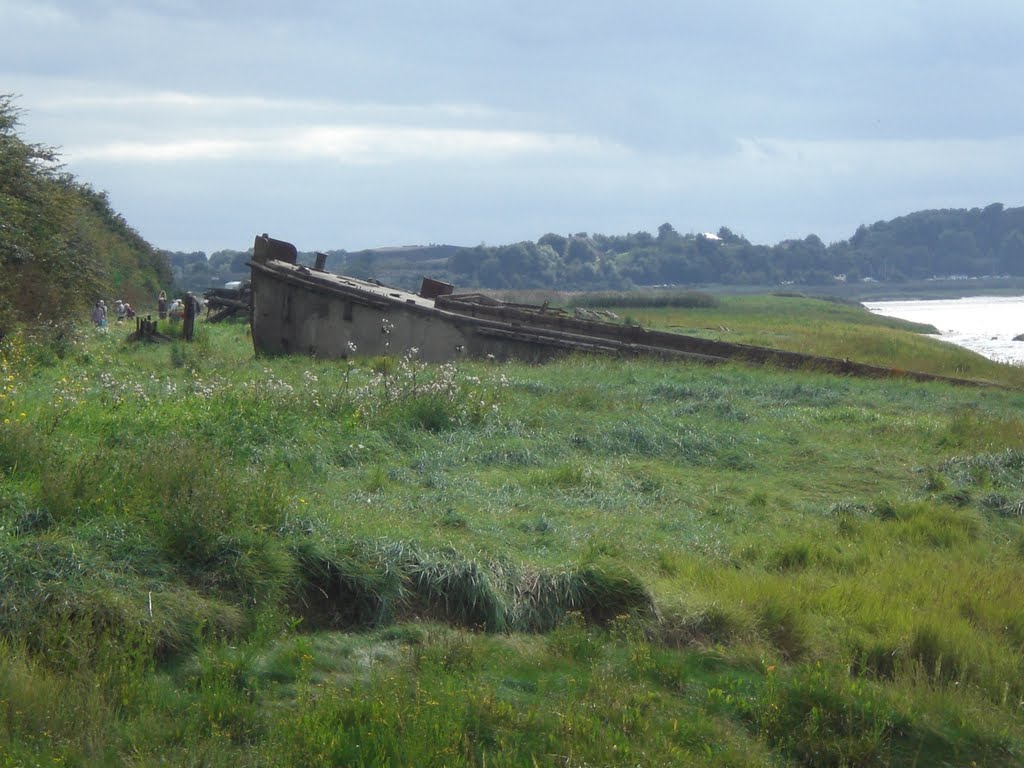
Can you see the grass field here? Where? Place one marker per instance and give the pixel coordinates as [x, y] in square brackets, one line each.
[212, 559]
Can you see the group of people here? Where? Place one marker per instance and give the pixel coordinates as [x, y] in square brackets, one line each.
[174, 310]
[177, 308]
[122, 311]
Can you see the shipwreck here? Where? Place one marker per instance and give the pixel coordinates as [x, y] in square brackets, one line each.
[304, 309]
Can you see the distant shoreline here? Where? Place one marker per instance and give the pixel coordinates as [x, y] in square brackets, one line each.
[909, 290]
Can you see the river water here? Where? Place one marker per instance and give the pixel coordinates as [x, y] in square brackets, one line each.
[984, 324]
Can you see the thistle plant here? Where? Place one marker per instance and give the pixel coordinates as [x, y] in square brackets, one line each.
[435, 394]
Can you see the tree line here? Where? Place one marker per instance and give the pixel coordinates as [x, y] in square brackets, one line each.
[972, 242]
[935, 243]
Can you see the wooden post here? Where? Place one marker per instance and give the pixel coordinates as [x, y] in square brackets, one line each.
[190, 317]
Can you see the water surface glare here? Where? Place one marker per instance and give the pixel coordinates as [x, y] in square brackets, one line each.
[984, 324]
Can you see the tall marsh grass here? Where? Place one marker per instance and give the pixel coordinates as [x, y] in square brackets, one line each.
[213, 559]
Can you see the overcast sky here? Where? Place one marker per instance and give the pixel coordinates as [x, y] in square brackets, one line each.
[351, 124]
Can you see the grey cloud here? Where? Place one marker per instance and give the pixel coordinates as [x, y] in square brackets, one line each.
[775, 119]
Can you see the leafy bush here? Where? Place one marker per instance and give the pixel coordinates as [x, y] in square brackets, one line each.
[62, 246]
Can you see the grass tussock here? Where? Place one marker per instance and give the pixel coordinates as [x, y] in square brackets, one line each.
[366, 586]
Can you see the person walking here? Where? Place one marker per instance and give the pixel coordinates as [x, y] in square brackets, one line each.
[99, 314]
[161, 305]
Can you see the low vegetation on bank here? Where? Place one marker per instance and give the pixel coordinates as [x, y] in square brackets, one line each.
[214, 559]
